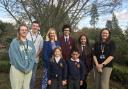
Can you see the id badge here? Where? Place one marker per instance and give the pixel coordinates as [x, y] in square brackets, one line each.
[102, 57]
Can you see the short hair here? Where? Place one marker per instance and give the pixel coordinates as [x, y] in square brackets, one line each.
[66, 26]
[75, 50]
[36, 22]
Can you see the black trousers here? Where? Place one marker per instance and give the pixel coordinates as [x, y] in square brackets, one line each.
[74, 84]
[84, 86]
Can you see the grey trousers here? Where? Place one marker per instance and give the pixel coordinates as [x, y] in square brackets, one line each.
[102, 78]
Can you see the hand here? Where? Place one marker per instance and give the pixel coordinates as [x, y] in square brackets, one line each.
[49, 82]
[81, 82]
[64, 82]
[99, 67]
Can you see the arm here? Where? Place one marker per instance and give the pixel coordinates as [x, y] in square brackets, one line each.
[14, 56]
[111, 56]
[40, 48]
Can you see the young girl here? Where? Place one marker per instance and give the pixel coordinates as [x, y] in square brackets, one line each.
[57, 70]
[22, 58]
[85, 56]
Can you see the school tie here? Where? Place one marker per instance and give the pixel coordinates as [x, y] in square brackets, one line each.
[66, 40]
[83, 50]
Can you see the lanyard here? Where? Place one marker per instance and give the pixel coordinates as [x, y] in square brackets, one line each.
[25, 47]
[32, 37]
[24, 57]
[102, 48]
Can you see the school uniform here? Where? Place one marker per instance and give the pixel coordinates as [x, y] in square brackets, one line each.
[57, 72]
[87, 59]
[66, 44]
[75, 71]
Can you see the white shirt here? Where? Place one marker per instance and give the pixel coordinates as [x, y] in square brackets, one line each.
[66, 37]
[77, 60]
[37, 40]
[57, 59]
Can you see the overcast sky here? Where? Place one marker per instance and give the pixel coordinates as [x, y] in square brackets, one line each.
[122, 16]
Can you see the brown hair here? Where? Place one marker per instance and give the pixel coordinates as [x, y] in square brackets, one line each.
[59, 48]
[18, 30]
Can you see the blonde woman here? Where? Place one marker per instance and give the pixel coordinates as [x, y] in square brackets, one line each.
[49, 44]
[22, 58]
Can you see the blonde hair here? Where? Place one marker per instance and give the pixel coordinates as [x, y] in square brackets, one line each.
[18, 31]
[48, 34]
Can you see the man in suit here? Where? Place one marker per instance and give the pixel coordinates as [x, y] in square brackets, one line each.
[67, 42]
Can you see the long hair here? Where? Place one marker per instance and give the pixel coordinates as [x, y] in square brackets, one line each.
[109, 38]
[87, 41]
[53, 56]
[48, 34]
[87, 47]
[18, 30]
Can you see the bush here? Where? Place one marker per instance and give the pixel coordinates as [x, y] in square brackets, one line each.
[120, 73]
[4, 66]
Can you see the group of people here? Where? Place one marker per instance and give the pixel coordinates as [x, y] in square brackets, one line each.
[66, 62]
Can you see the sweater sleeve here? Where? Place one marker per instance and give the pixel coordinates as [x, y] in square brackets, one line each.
[14, 56]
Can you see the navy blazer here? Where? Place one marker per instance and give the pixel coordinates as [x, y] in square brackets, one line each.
[75, 70]
[48, 52]
[57, 70]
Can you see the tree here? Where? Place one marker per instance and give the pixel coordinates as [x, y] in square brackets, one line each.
[94, 15]
[126, 34]
[53, 12]
[109, 24]
[115, 26]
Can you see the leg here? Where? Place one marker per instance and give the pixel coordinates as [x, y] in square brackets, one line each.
[16, 78]
[27, 78]
[32, 83]
[70, 84]
[45, 79]
[76, 84]
[97, 79]
[105, 77]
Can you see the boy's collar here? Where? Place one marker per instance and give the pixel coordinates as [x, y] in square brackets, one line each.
[77, 60]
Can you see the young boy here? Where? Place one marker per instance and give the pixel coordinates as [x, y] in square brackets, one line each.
[75, 69]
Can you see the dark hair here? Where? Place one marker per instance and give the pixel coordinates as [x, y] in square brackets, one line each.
[101, 34]
[75, 50]
[36, 22]
[87, 47]
[87, 41]
[66, 26]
